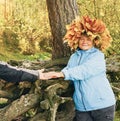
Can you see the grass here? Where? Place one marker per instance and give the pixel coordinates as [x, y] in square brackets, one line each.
[6, 55]
[117, 116]
[37, 56]
[118, 119]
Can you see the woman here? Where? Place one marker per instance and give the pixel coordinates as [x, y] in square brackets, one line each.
[93, 97]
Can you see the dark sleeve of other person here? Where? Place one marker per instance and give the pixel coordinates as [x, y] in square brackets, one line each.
[10, 74]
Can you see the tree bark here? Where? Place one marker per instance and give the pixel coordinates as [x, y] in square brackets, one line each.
[19, 107]
[61, 13]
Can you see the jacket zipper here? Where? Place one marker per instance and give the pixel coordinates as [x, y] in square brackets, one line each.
[82, 98]
[80, 85]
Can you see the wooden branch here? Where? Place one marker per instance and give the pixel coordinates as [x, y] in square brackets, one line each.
[6, 94]
[116, 89]
[19, 107]
[52, 100]
[39, 117]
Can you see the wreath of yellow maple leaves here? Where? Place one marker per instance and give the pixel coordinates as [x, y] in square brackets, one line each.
[95, 29]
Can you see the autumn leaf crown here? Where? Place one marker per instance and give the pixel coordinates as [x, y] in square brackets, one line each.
[95, 29]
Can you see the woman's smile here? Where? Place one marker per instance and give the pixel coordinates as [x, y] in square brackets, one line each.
[85, 43]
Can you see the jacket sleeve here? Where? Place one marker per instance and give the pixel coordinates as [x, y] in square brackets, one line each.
[13, 74]
[92, 67]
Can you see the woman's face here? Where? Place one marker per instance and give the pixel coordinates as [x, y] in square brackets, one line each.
[85, 43]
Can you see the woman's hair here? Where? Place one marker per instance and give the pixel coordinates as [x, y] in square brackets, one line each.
[95, 29]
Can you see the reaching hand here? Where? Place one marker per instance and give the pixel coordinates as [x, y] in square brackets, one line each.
[49, 75]
[41, 74]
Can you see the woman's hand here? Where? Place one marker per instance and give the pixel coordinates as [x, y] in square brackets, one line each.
[50, 75]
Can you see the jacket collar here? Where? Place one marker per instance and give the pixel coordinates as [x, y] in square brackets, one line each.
[79, 51]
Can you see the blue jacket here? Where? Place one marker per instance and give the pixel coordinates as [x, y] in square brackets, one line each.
[87, 70]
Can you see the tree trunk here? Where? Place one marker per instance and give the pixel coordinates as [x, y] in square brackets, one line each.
[61, 13]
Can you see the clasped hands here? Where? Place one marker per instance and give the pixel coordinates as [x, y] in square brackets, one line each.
[49, 75]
